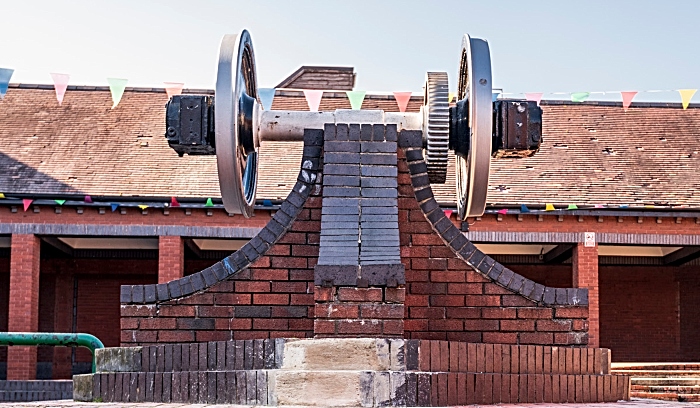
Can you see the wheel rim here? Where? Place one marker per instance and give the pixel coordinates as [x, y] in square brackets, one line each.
[237, 162]
[472, 171]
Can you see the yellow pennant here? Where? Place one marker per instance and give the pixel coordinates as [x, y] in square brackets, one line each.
[2, 195]
[143, 206]
[549, 207]
[686, 96]
[450, 96]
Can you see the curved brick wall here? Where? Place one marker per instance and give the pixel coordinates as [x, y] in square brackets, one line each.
[456, 292]
[266, 289]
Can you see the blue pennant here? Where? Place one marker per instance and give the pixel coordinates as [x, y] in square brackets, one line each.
[524, 209]
[5, 75]
[266, 95]
[114, 207]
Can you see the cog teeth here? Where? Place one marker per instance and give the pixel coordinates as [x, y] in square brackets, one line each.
[437, 127]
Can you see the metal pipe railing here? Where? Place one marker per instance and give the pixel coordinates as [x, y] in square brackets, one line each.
[53, 339]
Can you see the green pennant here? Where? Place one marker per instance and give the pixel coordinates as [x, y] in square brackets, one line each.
[60, 202]
[209, 203]
[572, 207]
[116, 87]
[356, 98]
[579, 96]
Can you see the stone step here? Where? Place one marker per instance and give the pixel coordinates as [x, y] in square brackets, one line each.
[658, 373]
[667, 396]
[26, 396]
[678, 389]
[661, 381]
[656, 366]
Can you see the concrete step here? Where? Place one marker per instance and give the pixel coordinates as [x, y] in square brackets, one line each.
[660, 381]
[26, 396]
[658, 373]
[678, 389]
[667, 396]
[656, 366]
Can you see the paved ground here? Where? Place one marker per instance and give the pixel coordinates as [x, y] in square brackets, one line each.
[635, 403]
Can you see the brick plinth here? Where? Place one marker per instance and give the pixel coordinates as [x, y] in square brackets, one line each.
[358, 312]
[171, 258]
[24, 304]
[584, 264]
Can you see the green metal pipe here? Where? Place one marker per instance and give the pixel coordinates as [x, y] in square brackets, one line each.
[53, 339]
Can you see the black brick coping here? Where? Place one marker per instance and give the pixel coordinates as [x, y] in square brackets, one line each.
[234, 264]
[411, 142]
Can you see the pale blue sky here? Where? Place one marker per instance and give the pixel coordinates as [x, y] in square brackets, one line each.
[536, 45]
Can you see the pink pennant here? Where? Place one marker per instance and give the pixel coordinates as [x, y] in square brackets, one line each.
[88, 199]
[173, 88]
[402, 99]
[27, 202]
[627, 99]
[599, 206]
[60, 84]
[313, 98]
[174, 202]
[448, 213]
[534, 96]
[503, 211]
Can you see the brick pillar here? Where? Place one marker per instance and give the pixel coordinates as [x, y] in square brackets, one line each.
[171, 258]
[585, 275]
[23, 313]
[63, 323]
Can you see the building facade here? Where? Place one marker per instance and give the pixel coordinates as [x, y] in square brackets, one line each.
[112, 205]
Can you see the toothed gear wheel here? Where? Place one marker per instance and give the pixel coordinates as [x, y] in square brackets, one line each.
[436, 125]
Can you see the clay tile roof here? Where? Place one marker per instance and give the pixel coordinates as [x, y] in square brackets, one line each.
[593, 153]
[314, 77]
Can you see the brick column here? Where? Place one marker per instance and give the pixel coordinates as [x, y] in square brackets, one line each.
[63, 323]
[585, 275]
[171, 258]
[23, 313]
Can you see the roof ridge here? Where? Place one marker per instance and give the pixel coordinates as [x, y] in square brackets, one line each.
[619, 104]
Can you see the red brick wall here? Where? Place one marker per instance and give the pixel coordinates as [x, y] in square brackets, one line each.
[171, 258]
[689, 317]
[24, 303]
[4, 302]
[639, 309]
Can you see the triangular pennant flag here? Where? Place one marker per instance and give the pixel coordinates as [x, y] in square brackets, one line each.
[116, 87]
[60, 202]
[686, 96]
[356, 98]
[503, 211]
[534, 96]
[266, 96]
[450, 96]
[114, 206]
[494, 96]
[448, 213]
[267, 203]
[60, 84]
[88, 199]
[402, 99]
[624, 206]
[572, 207]
[599, 206]
[313, 98]
[173, 88]
[579, 96]
[174, 202]
[209, 203]
[27, 202]
[2, 195]
[627, 99]
[5, 75]
[549, 207]
[524, 209]
[143, 206]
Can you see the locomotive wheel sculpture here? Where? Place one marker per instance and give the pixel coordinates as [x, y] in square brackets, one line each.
[233, 124]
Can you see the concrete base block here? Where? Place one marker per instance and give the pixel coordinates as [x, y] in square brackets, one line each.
[82, 387]
[337, 354]
[318, 388]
